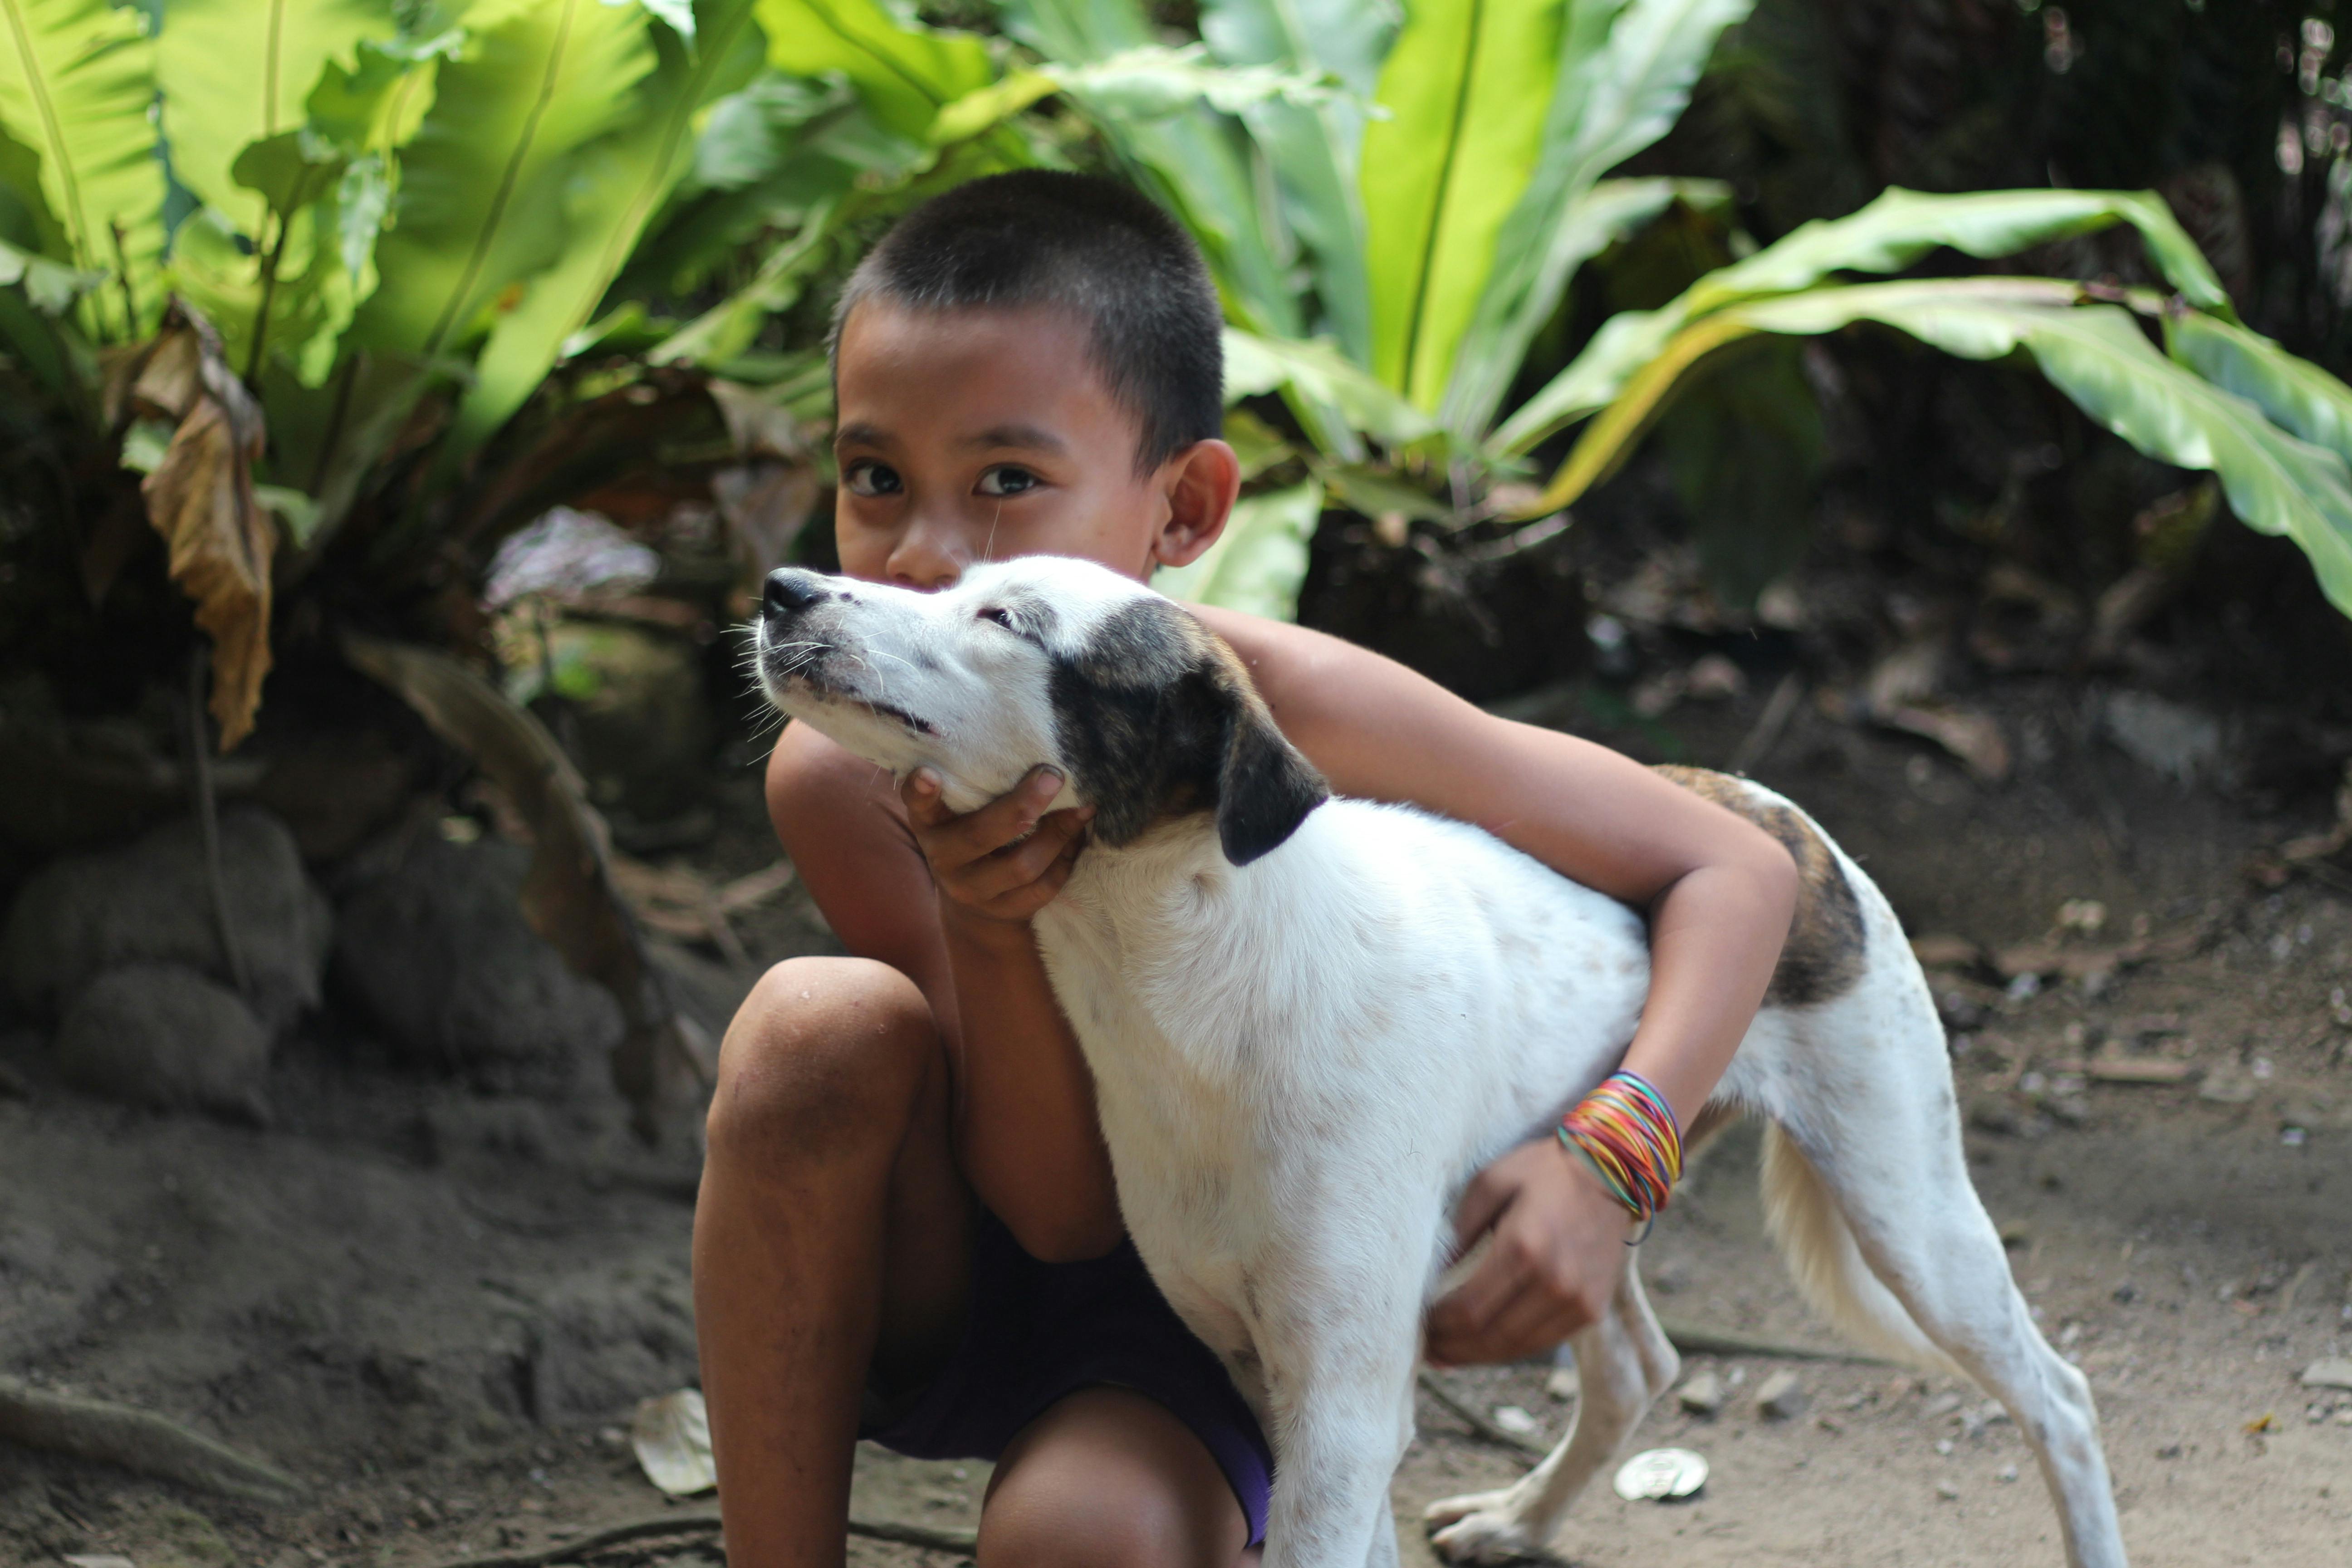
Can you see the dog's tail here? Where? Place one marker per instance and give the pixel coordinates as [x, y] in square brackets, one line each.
[1803, 1218]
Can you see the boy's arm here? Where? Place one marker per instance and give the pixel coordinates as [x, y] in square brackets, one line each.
[1027, 1138]
[1717, 891]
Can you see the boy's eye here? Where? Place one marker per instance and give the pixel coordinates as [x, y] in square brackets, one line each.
[1004, 479]
[867, 478]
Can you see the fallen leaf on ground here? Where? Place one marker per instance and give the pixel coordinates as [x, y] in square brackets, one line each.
[671, 1435]
[1943, 951]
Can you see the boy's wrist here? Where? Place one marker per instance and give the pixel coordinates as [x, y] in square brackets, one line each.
[996, 933]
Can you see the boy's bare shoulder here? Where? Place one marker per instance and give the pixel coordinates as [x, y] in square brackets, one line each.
[1293, 668]
[1329, 695]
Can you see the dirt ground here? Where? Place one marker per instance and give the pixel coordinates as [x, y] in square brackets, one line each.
[438, 1311]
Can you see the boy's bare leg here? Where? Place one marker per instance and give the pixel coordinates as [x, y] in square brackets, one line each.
[833, 1234]
[1108, 1478]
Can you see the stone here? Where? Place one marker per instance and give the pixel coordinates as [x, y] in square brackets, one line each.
[150, 903]
[163, 1034]
[1703, 1395]
[2179, 742]
[435, 949]
[1780, 1398]
[2335, 1372]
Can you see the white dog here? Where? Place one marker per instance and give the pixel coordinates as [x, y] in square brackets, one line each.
[1310, 1021]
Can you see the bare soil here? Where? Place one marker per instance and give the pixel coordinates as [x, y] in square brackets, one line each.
[438, 1311]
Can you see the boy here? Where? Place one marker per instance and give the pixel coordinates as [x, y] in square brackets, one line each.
[907, 1225]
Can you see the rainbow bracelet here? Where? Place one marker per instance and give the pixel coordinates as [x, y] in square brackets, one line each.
[1627, 1132]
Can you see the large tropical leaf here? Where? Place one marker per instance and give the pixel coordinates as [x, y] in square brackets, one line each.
[907, 75]
[1891, 232]
[1195, 162]
[769, 156]
[1466, 90]
[1259, 563]
[52, 287]
[2094, 354]
[616, 186]
[77, 80]
[1314, 150]
[2298, 395]
[1134, 85]
[1626, 70]
[239, 71]
[1316, 375]
[483, 182]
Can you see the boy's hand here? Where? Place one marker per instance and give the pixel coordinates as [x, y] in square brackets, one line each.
[1002, 861]
[1558, 1249]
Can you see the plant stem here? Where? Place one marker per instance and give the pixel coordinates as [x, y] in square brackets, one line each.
[261, 316]
[122, 275]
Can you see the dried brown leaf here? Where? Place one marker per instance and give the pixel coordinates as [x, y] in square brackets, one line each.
[200, 499]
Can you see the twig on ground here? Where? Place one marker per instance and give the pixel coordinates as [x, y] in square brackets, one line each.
[135, 1439]
[1696, 1339]
[1778, 709]
[1485, 1431]
[705, 1522]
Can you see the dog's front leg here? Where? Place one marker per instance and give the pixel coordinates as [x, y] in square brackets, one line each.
[1339, 1365]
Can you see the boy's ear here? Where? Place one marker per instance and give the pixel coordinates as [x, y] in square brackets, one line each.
[1199, 485]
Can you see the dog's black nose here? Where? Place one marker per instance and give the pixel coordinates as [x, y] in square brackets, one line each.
[790, 590]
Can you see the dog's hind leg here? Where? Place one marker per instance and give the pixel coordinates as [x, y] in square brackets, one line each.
[1623, 1363]
[1867, 1191]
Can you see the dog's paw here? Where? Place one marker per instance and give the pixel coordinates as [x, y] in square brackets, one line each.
[1478, 1527]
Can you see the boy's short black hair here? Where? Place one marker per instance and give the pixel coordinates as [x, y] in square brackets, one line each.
[1038, 236]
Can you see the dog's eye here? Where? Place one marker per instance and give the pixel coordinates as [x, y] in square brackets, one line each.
[1002, 617]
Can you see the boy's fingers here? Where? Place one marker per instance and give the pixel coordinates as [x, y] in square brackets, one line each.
[1002, 821]
[1462, 1327]
[1009, 869]
[1470, 1306]
[1481, 1204]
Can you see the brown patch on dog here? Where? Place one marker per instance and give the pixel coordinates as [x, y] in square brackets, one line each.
[1823, 955]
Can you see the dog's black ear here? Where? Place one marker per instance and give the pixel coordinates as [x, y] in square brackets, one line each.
[1264, 787]
[1157, 717]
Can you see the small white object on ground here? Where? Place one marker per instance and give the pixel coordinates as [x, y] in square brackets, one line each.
[1703, 1395]
[1561, 1384]
[2336, 1371]
[1516, 1421]
[1781, 1398]
[1948, 1491]
[671, 1435]
[1662, 1475]
[99, 1559]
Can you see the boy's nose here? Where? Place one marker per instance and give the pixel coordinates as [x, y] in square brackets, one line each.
[791, 589]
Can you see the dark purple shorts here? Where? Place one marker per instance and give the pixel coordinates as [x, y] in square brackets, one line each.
[1036, 1332]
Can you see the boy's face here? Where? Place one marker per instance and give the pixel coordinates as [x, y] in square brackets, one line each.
[971, 436]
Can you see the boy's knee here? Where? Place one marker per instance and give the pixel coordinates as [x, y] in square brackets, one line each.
[826, 1056]
[1110, 1479]
[1089, 1521]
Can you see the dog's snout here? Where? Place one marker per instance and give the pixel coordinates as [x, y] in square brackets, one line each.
[791, 591]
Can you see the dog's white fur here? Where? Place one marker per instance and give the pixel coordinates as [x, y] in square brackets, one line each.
[1301, 1060]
